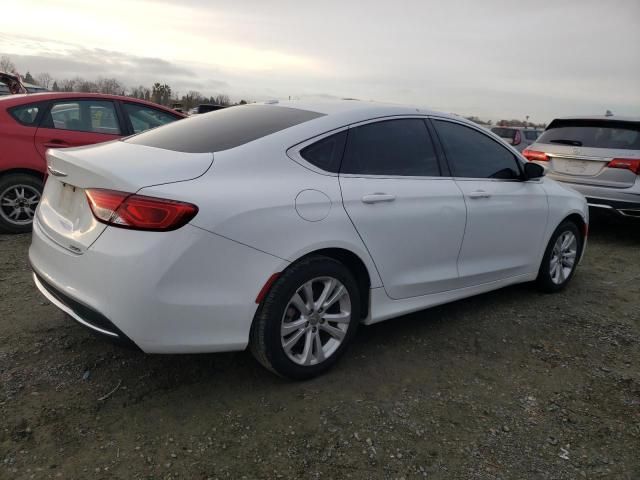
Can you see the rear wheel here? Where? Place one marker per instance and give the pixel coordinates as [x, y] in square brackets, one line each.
[19, 197]
[307, 319]
[560, 258]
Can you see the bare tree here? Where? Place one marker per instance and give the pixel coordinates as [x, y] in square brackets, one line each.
[6, 65]
[44, 80]
[191, 99]
[141, 92]
[222, 99]
[109, 86]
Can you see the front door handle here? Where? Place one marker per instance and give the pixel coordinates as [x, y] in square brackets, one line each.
[479, 194]
[378, 197]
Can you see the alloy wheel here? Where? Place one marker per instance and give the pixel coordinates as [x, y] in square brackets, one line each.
[315, 321]
[563, 257]
[18, 204]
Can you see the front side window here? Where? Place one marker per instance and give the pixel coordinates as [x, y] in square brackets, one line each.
[94, 116]
[391, 147]
[326, 154]
[26, 114]
[144, 118]
[472, 154]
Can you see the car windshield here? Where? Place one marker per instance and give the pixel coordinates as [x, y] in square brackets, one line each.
[593, 133]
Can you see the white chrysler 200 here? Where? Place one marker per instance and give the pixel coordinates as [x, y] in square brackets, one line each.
[282, 226]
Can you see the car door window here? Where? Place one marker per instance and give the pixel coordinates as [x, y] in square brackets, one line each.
[326, 153]
[26, 114]
[472, 154]
[95, 116]
[143, 118]
[400, 147]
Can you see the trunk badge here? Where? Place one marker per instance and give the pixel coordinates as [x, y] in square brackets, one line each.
[54, 172]
[576, 151]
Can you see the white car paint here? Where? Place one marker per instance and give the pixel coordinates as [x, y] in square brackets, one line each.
[262, 207]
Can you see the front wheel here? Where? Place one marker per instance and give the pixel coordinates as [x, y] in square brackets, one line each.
[307, 319]
[560, 258]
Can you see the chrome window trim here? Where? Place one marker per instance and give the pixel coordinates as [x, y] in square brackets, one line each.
[293, 152]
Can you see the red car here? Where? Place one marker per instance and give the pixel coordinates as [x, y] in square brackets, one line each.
[30, 124]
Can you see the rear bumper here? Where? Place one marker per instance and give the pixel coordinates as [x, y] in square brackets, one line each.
[185, 291]
[621, 201]
[97, 323]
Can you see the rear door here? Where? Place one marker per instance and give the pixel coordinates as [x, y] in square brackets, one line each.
[75, 122]
[506, 217]
[410, 217]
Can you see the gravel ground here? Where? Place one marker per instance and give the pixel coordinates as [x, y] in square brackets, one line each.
[511, 384]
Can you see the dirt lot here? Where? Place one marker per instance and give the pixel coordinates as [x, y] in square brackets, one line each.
[512, 384]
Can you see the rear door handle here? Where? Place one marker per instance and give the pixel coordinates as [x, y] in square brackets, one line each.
[479, 194]
[55, 143]
[378, 197]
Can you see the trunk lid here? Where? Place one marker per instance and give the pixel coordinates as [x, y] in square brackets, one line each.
[64, 214]
[587, 165]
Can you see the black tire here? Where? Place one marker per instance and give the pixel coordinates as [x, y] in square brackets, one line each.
[544, 281]
[265, 338]
[6, 183]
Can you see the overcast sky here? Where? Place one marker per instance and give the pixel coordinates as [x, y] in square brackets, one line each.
[491, 58]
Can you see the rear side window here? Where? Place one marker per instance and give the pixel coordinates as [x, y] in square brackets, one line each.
[223, 129]
[593, 133]
[531, 134]
[326, 154]
[26, 114]
[472, 154]
[93, 116]
[504, 132]
[391, 147]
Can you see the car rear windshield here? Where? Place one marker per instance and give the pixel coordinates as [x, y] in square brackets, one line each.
[223, 129]
[615, 134]
[504, 132]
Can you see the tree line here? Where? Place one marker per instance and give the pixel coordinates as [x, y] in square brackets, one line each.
[160, 93]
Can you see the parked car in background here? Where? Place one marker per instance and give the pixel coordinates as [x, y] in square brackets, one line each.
[32, 88]
[283, 226]
[30, 124]
[11, 84]
[204, 108]
[518, 137]
[598, 156]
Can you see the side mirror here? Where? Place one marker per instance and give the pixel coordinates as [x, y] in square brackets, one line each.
[533, 170]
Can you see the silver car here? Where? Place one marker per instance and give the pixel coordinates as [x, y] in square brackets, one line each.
[518, 137]
[597, 156]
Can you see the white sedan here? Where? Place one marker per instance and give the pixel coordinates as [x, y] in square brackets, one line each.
[283, 226]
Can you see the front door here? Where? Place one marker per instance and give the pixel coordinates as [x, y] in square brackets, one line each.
[506, 217]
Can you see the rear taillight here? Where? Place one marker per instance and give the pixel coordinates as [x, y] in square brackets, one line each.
[533, 155]
[138, 212]
[517, 138]
[632, 164]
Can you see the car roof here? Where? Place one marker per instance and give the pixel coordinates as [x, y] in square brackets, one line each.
[619, 118]
[357, 110]
[25, 98]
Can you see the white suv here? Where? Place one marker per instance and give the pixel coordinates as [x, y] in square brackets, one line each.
[597, 156]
